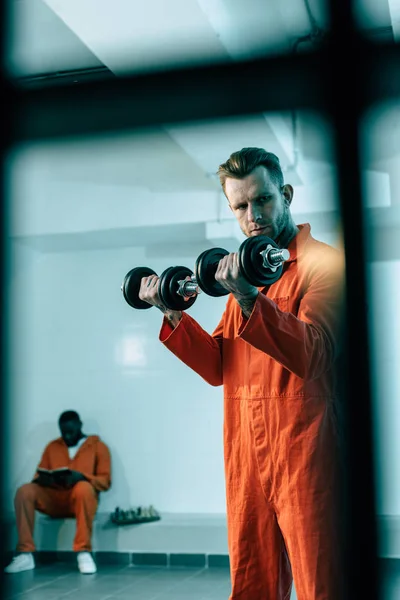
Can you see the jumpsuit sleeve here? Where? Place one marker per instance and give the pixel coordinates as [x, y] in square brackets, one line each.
[195, 347]
[101, 478]
[306, 344]
[44, 462]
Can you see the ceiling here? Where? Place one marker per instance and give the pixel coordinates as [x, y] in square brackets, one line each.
[56, 35]
[137, 188]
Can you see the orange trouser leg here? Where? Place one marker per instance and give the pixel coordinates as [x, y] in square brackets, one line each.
[311, 534]
[79, 502]
[31, 497]
[260, 568]
[83, 505]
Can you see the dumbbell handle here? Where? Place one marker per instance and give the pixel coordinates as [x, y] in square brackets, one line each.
[273, 257]
[188, 288]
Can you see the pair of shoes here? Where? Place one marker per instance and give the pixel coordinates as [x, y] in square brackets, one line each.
[86, 564]
[22, 562]
[26, 562]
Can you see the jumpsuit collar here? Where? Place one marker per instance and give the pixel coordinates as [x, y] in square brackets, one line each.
[297, 244]
[295, 247]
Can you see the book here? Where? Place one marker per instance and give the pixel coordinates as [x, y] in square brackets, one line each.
[56, 473]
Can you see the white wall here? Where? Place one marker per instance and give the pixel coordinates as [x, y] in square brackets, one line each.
[77, 344]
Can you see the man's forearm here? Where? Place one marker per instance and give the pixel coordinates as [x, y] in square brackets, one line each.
[173, 316]
[246, 303]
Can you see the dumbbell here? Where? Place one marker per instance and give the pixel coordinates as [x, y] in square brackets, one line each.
[175, 291]
[260, 260]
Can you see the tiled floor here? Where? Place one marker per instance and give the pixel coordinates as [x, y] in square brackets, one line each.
[62, 581]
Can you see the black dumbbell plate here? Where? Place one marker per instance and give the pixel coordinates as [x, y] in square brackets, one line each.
[131, 286]
[251, 261]
[169, 287]
[205, 269]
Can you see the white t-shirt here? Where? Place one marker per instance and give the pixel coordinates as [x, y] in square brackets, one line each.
[72, 450]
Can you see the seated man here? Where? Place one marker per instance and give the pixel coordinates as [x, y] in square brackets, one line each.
[73, 494]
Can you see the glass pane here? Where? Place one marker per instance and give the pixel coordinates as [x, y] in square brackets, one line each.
[83, 214]
[380, 141]
[379, 21]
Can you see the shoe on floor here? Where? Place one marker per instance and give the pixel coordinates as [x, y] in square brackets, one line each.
[22, 562]
[86, 564]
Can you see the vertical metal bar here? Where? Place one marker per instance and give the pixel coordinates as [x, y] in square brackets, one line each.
[360, 537]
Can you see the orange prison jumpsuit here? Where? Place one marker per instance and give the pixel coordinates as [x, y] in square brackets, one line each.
[93, 461]
[280, 434]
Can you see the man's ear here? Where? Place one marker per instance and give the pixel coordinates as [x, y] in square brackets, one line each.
[288, 193]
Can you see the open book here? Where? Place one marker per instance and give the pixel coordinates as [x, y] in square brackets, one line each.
[56, 474]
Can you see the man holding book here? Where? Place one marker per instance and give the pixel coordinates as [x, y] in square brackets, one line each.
[73, 470]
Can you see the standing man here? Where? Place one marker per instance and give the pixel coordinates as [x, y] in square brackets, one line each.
[274, 351]
[73, 495]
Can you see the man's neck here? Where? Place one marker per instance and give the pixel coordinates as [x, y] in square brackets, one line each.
[80, 438]
[290, 232]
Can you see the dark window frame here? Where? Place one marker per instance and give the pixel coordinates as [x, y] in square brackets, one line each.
[58, 108]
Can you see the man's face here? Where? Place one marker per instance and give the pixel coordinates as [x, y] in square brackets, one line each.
[260, 207]
[71, 432]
